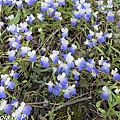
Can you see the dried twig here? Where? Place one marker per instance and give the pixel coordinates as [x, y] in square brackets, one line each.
[72, 102]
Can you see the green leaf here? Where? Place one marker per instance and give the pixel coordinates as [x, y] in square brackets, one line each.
[98, 104]
[16, 19]
[32, 117]
[116, 50]
[99, 50]
[26, 12]
[101, 110]
[24, 81]
[11, 96]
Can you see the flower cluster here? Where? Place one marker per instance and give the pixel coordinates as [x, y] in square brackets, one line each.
[5, 84]
[66, 66]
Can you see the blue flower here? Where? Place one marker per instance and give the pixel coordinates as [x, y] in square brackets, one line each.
[73, 21]
[41, 17]
[57, 16]
[56, 90]
[90, 65]
[64, 82]
[101, 61]
[95, 72]
[80, 63]
[76, 74]
[8, 108]
[70, 65]
[100, 37]
[61, 2]
[30, 18]
[90, 44]
[44, 6]
[55, 5]
[50, 86]
[22, 111]
[105, 94]
[72, 49]
[23, 26]
[116, 75]
[65, 70]
[32, 55]
[105, 68]
[110, 16]
[44, 62]
[11, 85]
[21, 117]
[89, 36]
[73, 90]
[64, 32]
[2, 92]
[24, 50]
[54, 56]
[19, 4]
[27, 109]
[30, 2]
[11, 55]
[67, 94]
[64, 44]
[15, 66]
[29, 35]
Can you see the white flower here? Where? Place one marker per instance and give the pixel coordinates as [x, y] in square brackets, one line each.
[11, 53]
[12, 39]
[106, 89]
[114, 71]
[45, 59]
[28, 33]
[74, 46]
[50, 83]
[117, 91]
[4, 77]
[63, 65]
[98, 35]
[31, 53]
[77, 62]
[73, 19]
[69, 58]
[86, 42]
[106, 64]
[50, 10]
[55, 52]
[43, 4]
[109, 35]
[25, 49]
[3, 103]
[40, 29]
[60, 77]
[23, 25]
[7, 81]
[91, 32]
[54, 69]
[64, 30]
[100, 61]
[64, 41]
[10, 17]
[75, 72]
